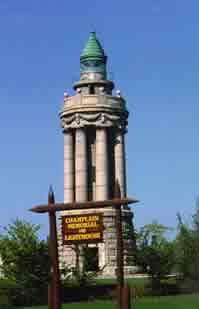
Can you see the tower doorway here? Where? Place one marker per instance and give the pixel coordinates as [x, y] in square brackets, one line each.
[91, 258]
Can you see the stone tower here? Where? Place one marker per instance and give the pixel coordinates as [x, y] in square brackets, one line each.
[94, 125]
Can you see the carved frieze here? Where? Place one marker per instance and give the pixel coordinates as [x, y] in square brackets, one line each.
[78, 120]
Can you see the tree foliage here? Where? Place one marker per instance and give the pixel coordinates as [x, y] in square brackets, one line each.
[25, 260]
[195, 218]
[155, 254]
[187, 247]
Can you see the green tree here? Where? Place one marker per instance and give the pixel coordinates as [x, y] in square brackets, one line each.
[160, 259]
[195, 218]
[155, 254]
[187, 247]
[25, 261]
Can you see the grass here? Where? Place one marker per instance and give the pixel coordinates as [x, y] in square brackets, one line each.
[131, 281]
[142, 281]
[168, 302]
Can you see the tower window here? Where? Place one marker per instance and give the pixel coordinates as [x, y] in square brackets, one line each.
[91, 89]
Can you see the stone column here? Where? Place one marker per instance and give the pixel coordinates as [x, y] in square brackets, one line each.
[80, 166]
[101, 164]
[68, 167]
[101, 193]
[120, 166]
[81, 183]
[66, 254]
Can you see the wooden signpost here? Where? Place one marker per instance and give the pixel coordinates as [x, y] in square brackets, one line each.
[86, 228]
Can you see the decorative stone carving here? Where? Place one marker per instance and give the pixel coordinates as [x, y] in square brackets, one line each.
[78, 120]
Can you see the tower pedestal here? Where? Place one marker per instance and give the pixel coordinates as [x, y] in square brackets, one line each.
[107, 250]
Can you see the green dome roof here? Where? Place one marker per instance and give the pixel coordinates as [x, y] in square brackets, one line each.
[93, 48]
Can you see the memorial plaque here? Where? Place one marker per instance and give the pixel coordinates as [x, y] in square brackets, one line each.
[85, 228]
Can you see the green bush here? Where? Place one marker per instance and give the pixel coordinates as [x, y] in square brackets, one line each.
[25, 261]
[188, 285]
[137, 291]
[6, 288]
[5, 301]
[6, 284]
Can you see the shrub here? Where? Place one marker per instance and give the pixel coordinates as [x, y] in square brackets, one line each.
[6, 289]
[25, 262]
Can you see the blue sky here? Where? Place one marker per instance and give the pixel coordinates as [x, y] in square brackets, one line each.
[153, 51]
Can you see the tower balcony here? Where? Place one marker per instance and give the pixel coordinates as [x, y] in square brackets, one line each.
[93, 110]
[93, 103]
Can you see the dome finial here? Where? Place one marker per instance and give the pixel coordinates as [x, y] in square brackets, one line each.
[93, 48]
[93, 59]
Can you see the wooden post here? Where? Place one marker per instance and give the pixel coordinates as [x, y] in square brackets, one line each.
[126, 297]
[54, 301]
[50, 293]
[119, 237]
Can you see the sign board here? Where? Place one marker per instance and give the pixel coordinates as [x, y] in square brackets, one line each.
[85, 228]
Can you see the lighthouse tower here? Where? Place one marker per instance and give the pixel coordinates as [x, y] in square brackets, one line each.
[94, 122]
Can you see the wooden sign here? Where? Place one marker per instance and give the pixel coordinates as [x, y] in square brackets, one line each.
[85, 228]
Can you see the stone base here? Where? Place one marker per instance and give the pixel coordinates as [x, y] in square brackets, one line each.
[107, 250]
[110, 271]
